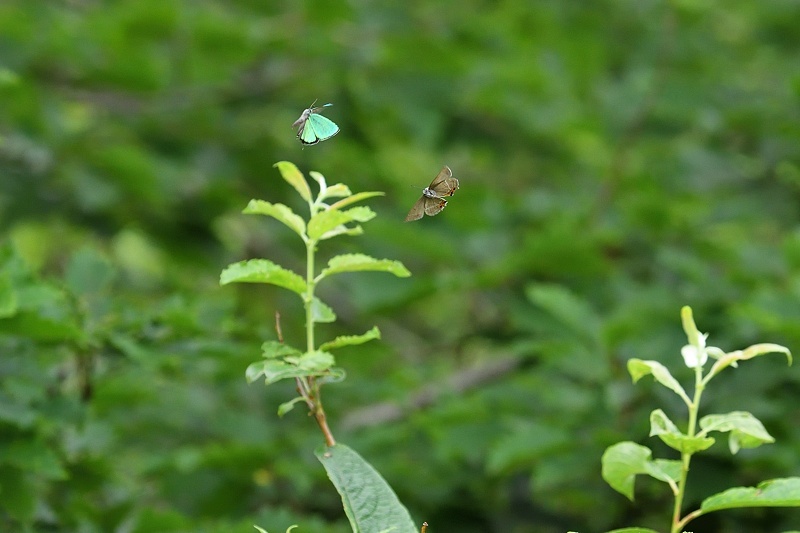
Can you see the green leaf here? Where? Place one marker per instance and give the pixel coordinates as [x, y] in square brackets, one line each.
[361, 262]
[756, 350]
[622, 462]
[350, 340]
[662, 427]
[272, 370]
[764, 349]
[355, 198]
[666, 469]
[321, 312]
[279, 212]
[359, 214]
[275, 349]
[342, 230]
[746, 430]
[639, 368]
[288, 406]
[689, 327]
[325, 221]
[333, 375]
[783, 492]
[315, 363]
[295, 178]
[320, 179]
[369, 502]
[262, 271]
[339, 190]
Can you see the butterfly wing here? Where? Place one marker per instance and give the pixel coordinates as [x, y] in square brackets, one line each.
[417, 211]
[444, 184]
[306, 133]
[324, 128]
[434, 206]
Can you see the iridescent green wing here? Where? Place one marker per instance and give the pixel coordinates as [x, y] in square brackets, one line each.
[306, 133]
[324, 128]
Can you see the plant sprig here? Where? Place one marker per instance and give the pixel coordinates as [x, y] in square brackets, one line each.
[315, 365]
[623, 461]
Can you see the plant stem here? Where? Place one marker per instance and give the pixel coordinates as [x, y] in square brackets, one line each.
[322, 421]
[686, 457]
[312, 390]
[309, 299]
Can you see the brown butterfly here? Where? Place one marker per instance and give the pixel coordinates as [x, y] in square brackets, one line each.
[433, 200]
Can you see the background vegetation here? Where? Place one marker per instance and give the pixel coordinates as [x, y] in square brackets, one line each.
[617, 160]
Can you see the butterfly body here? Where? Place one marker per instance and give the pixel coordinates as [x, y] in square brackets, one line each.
[429, 193]
[433, 201]
[313, 127]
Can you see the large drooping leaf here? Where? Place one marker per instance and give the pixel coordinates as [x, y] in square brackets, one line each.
[369, 502]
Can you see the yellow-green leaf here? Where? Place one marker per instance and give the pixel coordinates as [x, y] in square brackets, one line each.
[336, 191]
[279, 212]
[325, 221]
[355, 198]
[639, 368]
[295, 178]
[321, 312]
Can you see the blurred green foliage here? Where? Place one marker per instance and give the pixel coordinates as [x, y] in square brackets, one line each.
[617, 160]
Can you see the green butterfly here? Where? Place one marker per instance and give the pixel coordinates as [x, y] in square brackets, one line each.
[313, 127]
